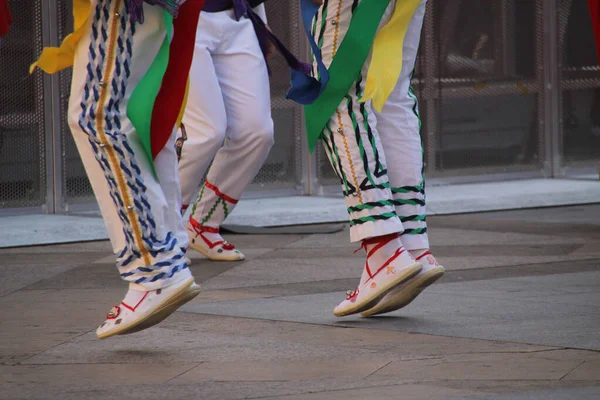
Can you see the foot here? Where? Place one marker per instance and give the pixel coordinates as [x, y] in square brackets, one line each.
[208, 241]
[147, 309]
[404, 294]
[394, 268]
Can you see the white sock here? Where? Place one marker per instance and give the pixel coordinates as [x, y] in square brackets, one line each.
[417, 253]
[385, 247]
[135, 294]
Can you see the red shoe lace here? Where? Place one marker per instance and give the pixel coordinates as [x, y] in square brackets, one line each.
[379, 242]
[200, 229]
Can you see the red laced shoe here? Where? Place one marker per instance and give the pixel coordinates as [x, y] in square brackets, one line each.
[398, 269]
[403, 295]
[208, 241]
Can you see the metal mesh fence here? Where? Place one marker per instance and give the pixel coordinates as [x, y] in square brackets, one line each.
[283, 167]
[75, 186]
[22, 143]
[483, 80]
[488, 92]
[480, 85]
[580, 85]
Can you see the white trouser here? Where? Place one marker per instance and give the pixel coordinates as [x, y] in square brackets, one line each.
[141, 212]
[228, 116]
[377, 156]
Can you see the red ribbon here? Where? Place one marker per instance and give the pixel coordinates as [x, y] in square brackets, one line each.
[594, 6]
[5, 18]
[172, 91]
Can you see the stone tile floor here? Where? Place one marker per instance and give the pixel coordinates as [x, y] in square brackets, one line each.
[515, 317]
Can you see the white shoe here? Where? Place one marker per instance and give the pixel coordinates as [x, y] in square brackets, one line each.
[404, 294]
[217, 250]
[155, 306]
[399, 268]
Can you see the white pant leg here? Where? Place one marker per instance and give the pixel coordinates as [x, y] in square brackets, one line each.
[168, 176]
[244, 83]
[109, 62]
[399, 128]
[351, 138]
[204, 119]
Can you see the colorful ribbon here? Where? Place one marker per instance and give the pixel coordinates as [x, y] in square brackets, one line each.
[170, 99]
[161, 92]
[345, 67]
[386, 60]
[304, 88]
[54, 59]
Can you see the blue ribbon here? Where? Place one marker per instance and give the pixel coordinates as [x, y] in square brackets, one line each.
[305, 89]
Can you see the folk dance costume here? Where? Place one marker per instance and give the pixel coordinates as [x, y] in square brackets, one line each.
[227, 119]
[129, 78]
[361, 105]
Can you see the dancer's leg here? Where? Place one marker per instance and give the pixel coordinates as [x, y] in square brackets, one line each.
[109, 62]
[399, 127]
[243, 78]
[352, 142]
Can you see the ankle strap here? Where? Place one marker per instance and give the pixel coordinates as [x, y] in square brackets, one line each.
[379, 242]
[202, 228]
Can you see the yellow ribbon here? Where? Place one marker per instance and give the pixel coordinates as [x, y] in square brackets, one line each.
[184, 104]
[54, 59]
[386, 61]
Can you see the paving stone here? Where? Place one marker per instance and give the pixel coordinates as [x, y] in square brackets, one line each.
[275, 370]
[214, 390]
[547, 322]
[42, 319]
[89, 276]
[163, 345]
[95, 276]
[250, 253]
[494, 388]
[522, 250]
[280, 271]
[50, 258]
[591, 393]
[106, 374]
[263, 241]
[515, 316]
[214, 296]
[458, 263]
[25, 230]
[20, 276]
[400, 345]
[468, 237]
[489, 366]
[591, 247]
[586, 371]
[413, 392]
[99, 246]
[325, 254]
[582, 215]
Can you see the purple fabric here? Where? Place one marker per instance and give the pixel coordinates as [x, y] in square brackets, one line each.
[243, 8]
[136, 10]
[213, 6]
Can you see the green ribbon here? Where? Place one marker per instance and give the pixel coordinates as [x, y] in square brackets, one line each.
[141, 103]
[345, 67]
